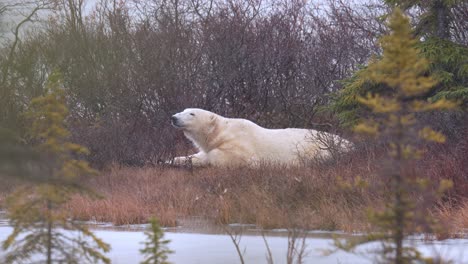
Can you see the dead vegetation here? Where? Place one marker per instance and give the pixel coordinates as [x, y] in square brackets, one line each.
[266, 197]
[334, 196]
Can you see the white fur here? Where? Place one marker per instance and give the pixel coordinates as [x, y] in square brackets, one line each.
[225, 141]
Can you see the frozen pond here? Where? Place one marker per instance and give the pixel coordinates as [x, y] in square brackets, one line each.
[218, 248]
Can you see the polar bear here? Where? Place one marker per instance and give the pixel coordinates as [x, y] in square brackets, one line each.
[228, 142]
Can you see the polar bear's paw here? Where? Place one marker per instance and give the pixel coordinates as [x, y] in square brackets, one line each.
[182, 161]
[177, 162]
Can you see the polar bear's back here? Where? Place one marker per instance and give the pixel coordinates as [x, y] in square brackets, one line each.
[289, 145]
[281, 146]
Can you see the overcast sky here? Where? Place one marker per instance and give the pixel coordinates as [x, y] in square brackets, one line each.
[9, 20]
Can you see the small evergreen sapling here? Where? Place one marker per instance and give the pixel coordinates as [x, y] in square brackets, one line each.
[402, 75]
[42, 229]
[156, 247]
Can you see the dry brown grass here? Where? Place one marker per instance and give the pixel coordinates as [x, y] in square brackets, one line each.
[270, 197]
[330, 197]
[453, 217]
[334, 196]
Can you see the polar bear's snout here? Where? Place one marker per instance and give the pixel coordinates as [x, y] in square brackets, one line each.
[175, 121]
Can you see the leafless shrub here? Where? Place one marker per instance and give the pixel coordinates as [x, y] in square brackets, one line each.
[128, 66]
[236, 235]
[269, 256]
[296, 246]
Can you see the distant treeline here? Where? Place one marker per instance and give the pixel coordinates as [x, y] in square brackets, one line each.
[127, 66]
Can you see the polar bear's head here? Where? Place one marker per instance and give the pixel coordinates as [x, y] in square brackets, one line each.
[200, 126]
[193, 119]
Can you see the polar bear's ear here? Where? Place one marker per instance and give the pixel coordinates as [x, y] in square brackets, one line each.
[212, 117]
[212, 121]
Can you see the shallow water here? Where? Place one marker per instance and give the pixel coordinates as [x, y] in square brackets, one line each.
[193, 247]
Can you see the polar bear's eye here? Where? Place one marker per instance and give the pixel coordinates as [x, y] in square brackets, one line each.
[192, 114]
